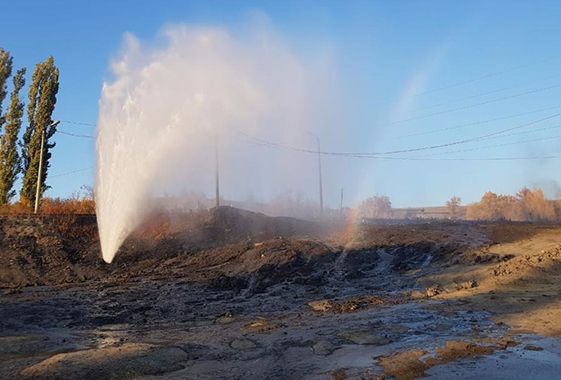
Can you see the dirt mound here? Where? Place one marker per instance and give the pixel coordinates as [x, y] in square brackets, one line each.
[60, 249]
[232, 224]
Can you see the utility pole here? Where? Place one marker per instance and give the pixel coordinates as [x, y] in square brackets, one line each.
[53, 124]
[341, 206]
[320, 185]
[319, 168]
[217, 175]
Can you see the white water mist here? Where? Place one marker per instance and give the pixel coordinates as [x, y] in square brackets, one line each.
[171, 100]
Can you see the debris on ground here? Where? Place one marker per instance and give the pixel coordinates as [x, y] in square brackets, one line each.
[353, 304]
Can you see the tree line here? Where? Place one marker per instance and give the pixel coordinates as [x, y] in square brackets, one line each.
[529, 205]
[20, 155]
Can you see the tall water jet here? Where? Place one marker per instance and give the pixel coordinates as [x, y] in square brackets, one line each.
[172, 99]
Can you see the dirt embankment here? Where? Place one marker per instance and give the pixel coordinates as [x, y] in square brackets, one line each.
[39, 250]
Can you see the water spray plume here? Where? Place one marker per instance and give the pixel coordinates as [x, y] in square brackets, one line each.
[166, 105]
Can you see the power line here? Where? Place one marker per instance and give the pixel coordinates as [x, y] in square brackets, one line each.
[477, 122]
[481, 94]
[371, 154]
[420, 158]
[470, 159]
[465, 98]
[510, 129]
[261, 142]
[523, 133]
[483, 137]
[482, 77]
[474, 105]
[79, 123]
[75, 135]
[490, 146]
[72, 172]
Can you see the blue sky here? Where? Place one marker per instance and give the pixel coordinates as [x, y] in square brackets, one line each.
[385, 51]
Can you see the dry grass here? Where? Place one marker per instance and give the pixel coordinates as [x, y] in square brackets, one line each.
[68, 206]
[53, 206]
[80, 202]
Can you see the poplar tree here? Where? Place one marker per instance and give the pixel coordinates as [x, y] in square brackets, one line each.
[10, 162]
[5, 73]
[42, 100]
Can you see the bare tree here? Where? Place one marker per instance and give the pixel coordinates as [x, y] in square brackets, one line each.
[378, 206]
[453, 205]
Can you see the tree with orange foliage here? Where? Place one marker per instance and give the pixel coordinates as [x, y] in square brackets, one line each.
[527, 205]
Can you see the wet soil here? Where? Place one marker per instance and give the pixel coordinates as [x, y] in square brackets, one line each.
[239, 295]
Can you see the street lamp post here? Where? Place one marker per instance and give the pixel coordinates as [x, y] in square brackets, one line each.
[53, 124]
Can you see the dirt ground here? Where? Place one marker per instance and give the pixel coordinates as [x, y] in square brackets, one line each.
[237, 295]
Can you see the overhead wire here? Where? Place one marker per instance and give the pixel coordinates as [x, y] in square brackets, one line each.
[79, 123]
[72, 172]
[478, 95]
[369, 154]
[75, 134]
[523, 133]
[475, 105]
[446, 87]
[262, 142]
[491, 146]
[470, 159]
[478, 122]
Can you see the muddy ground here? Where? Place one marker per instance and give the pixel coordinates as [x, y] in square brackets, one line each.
[237, 295]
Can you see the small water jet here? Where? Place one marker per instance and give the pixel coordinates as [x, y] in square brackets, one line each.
[168, 105]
